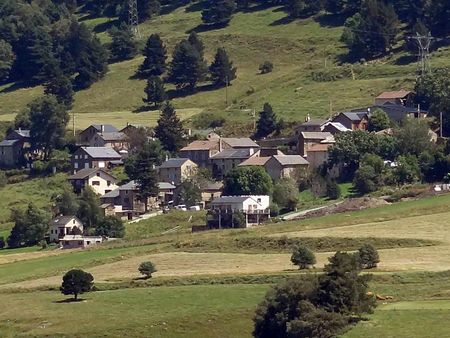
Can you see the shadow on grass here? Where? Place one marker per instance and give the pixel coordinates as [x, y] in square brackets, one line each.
[283, 21]
[179, 93]
[68, 300]
[405, 60]
[105, 26]
[330, 20]
[207, 27]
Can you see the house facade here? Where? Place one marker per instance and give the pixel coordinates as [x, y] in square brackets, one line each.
[176, 170]
[87, 134]
[94, 157]
[307, 139]
[255, 210]
[117, 140]
[11, 153]
[64, 225]
[285, 166]
[98, 179]
[199, 152]
[353, 120]
[226, 160]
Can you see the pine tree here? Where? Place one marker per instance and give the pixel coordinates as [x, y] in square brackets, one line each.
[197, 43]
[218, 12]
[371, 32]
[155, 54]
[155, 91]
[222, 70]
[61, 87]
[148, 8]
[267, 122]
[170, 129]
[187, 67]
[123, 46]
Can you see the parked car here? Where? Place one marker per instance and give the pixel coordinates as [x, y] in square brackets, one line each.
[181, 207]
[195, 208]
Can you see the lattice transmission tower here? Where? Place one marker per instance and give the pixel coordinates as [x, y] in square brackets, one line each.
[423, 43]
[133, 17]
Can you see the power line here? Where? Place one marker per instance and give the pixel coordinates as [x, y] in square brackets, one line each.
[133, 17]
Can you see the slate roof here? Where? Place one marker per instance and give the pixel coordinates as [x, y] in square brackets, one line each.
[355, 116]
[243, 142]
[316, 135]
[165, 186]
[314, 122]
[255, 161]
[397, 112]
[128, 186]
[83, 173]
[232, 153]
[23, 132]
[339, 126]
[112, 194]
[399, 94]
[173, 163]
[230, 199]
[102, 152]
[63, 220]
[8, 143]
[114, 136]
[201, 145]
[107, 128]
[287, 160]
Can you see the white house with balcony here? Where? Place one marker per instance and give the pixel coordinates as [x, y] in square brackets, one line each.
[64, 225]
[254, 208]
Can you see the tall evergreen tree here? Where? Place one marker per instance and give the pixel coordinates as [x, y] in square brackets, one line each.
[187, 67]
[222, 70]
[148, 8]
[7, 58]
[155, 54]
[140, 167]
[372, 32]
[267, 122]
[197, 43]
[170, 129]
[303, 8]
[155, 92]
[218, 12]
[123, 46]
[48, 121]
[61, 87]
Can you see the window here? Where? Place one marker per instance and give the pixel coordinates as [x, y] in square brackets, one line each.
[108, 183]
[88, 242]
[75, 165]
[76, 157]
[101, 164]
[85, 157]
[95, 182]
[98, 174]
[258, 200]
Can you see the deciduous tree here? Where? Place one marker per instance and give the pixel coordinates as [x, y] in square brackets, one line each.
[76, 282]
[247, 181]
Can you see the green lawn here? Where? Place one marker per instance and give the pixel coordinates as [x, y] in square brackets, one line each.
[163, 312]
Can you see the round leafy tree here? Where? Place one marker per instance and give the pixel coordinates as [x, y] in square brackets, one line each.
[303, 257]
[147, 268]
[368, 256]
[76, 282]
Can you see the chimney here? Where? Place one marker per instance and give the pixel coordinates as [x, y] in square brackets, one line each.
[308, 118]
[167, 157]
[102, 128]
[220, 144]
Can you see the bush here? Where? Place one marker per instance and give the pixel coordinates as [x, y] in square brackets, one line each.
[146, 269]
[239, 220]
[285, 194]
[76, 282]
[110, 226]
[274, 210]
[368, 256]
[266, 67]
[2, 242]
[303, 257]
[333, 190]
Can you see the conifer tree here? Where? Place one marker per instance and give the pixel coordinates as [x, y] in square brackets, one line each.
[7, 58]
[267, 122]
[123, 46]
[222, 70]
[187, 67]
[155, 92]
[61, 87]
[155, 54]
[218, 12]
[197, 43]
[169, 129]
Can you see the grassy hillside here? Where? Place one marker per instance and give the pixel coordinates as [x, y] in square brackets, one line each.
[295, 47]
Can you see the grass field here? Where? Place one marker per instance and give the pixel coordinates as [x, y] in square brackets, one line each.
[296, 48]
[413, 238]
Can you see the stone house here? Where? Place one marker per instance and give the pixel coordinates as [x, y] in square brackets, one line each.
[98, 179]
[94, 157]
[11, 153]
[176, 170]
[87, 134]
[399, 97]
[285, 166]
[117, 140]
[306, 139]
[353, 120]
[228, 159]
[199, 152]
